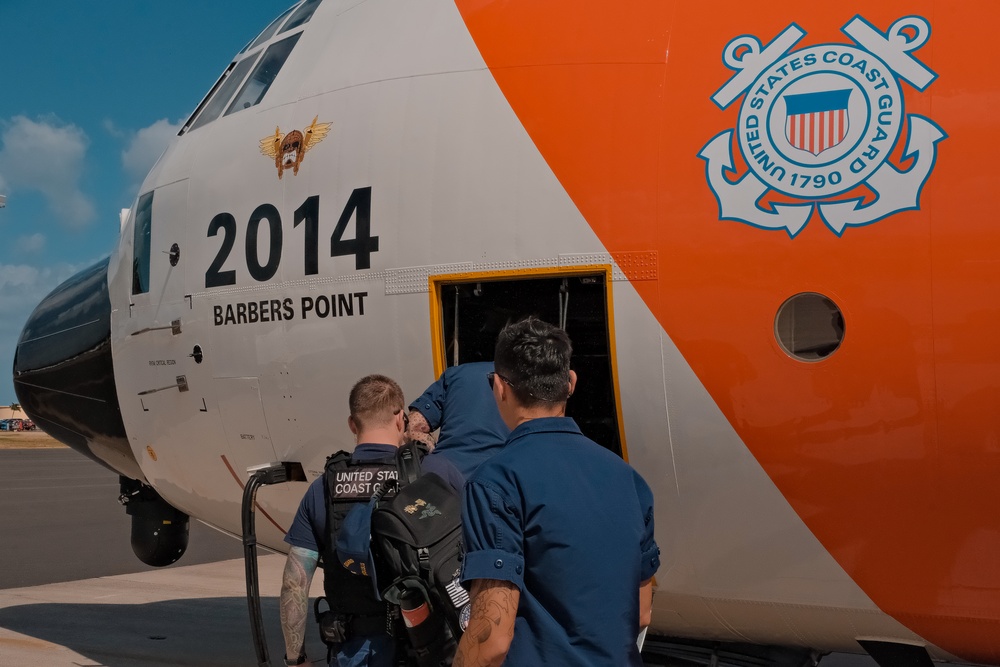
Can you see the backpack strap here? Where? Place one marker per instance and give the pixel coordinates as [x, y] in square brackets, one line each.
[408, 459]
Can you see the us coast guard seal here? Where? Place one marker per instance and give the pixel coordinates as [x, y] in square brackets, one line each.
[817, 122]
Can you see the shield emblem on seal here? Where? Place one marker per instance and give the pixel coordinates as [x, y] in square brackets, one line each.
[817, 122]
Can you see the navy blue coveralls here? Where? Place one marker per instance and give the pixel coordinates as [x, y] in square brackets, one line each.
[461, 404]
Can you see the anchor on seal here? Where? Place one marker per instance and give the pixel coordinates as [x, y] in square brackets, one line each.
[895, 189]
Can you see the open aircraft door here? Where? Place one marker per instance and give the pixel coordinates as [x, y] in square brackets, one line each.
[468, 310]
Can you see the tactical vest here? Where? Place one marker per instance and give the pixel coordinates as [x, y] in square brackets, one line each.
[346, 484]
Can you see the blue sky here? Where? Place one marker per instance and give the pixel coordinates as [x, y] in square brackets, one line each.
[92, 91]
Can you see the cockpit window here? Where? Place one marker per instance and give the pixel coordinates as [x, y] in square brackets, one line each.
[225, 93]
[263, 75]
[268, 31]
[141, 244]
[206, 100]
[302, 14]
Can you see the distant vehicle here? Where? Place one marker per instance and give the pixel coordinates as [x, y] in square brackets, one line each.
[28, 425]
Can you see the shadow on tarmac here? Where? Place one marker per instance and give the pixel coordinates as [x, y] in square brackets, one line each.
[195, 632]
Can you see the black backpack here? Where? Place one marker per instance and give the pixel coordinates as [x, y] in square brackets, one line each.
[417, 542]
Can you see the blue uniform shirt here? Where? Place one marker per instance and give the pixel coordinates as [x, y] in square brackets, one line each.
[571, 524]
[461, 404]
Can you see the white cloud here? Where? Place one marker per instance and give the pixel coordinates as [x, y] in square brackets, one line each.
[111, 128]
[146, 147]
[30, 244]
[47, 157]
[22, 287]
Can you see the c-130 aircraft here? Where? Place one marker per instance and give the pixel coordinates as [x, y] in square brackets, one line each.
[766, 228]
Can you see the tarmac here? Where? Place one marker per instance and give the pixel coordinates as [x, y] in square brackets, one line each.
[195, 615]
[72, 594]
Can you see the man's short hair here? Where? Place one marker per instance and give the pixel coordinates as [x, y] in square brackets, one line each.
[534, 356]
[375, 400]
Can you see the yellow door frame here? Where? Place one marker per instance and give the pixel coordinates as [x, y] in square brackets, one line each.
[435, 282]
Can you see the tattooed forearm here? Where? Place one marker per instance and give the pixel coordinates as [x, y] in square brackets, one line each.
[294, 601]
[420, 429]
[491, 624]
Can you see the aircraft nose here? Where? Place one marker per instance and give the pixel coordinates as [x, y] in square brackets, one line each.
[64, 374]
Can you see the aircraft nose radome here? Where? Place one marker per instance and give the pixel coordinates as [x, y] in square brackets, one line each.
[64, 375]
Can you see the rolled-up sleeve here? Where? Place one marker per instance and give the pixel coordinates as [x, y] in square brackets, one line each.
[431, 403]
[650, 551]
[493, 536]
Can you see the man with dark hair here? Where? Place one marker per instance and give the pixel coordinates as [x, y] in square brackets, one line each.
[462, 406]
[559, 541]
[378, 421]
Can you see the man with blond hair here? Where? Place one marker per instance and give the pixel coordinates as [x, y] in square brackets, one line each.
[378, 421]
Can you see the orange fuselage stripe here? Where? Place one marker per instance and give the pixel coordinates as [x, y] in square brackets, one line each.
[889, 450]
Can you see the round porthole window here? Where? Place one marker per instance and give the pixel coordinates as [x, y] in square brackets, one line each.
[809, 326]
